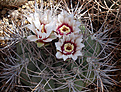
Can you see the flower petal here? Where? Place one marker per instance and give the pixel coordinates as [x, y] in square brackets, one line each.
[32, 38]
[30, 18]
[74, 57]
[49, 29]
[65, 57]
[80, 46]
[37, 23]
[78, 53]
[79, 40]
[59, 55]
[60, 18]
[67, 38]
[48, 40]
[58, 46]
[77, 29]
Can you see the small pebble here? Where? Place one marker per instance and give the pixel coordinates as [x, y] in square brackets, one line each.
[4, 12]
[0, 7]
[23, 7]
[0, 21]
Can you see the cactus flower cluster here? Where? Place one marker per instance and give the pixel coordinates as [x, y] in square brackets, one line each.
[47, 27]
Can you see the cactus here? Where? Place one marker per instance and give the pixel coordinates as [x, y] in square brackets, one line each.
[35, 62]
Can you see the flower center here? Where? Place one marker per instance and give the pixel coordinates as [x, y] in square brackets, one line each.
[65, 29]
[68, 47]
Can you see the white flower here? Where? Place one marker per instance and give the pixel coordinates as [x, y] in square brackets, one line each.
[43, 26]
[69, 46]
[66, 24]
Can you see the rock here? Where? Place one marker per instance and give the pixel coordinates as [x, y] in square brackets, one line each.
[4, 12]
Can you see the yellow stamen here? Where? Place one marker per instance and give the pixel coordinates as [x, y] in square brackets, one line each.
[68, 47]
[43, 29]
[64, 28]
